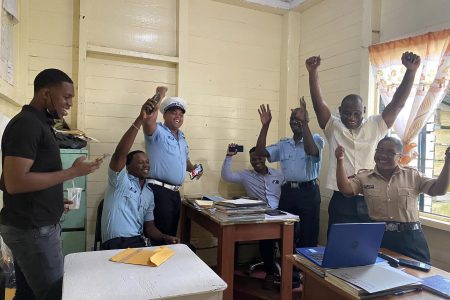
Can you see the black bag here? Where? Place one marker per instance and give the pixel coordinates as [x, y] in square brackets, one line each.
[69, 141]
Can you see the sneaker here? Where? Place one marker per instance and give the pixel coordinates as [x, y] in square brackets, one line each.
[269, 282]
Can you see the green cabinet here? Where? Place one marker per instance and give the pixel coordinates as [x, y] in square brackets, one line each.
[73, 224]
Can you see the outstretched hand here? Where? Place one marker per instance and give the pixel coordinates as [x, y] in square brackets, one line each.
[264, 114]
[411, 61]
[83, 167]
[339, 152]
[301, 114]
[312, 63]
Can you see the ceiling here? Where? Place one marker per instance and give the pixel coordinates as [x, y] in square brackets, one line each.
[281, 4]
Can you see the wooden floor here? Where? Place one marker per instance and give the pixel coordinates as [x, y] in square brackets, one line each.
[250, 287]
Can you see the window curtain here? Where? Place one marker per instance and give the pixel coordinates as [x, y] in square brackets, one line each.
[430, 85]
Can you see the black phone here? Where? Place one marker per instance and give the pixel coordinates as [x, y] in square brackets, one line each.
[274, 212]
[414, 264]
[236, 148]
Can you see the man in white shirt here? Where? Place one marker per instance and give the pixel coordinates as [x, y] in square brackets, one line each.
[357, 135]
[262, 183]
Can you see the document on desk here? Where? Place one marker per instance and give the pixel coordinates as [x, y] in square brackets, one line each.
[374, 278]
[143, 256]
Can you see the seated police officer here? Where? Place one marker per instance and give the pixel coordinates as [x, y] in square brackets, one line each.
[128, 207]
[261, 183]
[391, 191]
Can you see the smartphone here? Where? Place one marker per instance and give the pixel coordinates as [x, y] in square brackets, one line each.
[198, 169]
[236, 148]
[275, 212]
[414, 264]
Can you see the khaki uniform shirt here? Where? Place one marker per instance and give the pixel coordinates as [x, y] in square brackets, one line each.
[395, 199]
[359, 145]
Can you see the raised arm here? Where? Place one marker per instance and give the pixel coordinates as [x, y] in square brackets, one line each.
[342, 181]
[226, 173]
[440, 187]
[265, 116]
[149, 124]
[119, 158]
[412, 62]
[320, 106]
[302, 115]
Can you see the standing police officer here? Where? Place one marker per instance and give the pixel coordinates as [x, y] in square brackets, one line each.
[168, 151]
[300, 158]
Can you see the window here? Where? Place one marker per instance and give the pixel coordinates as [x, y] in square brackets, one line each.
[432, 142]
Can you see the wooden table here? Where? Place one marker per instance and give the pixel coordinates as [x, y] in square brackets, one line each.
[315, 287]
[230, 233]
[92, 276]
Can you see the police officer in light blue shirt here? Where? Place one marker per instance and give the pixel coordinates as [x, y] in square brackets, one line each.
[128, 205]
[169, 160]
[300, 159]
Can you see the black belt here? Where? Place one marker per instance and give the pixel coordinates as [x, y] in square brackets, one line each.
[402, 226]
[300, 184]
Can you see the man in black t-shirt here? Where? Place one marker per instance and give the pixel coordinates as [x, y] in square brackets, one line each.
[32, 184]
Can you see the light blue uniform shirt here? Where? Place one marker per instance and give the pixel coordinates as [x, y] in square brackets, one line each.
[167, 155]
[264, 187]
[126, 206]
[296, 165]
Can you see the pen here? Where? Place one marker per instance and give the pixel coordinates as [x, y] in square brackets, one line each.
[408, 291]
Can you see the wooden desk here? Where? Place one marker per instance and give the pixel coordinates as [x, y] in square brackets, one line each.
[229, 233]
[91, 276]
[315, 287]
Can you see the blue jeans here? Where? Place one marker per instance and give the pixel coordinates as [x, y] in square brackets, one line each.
[38, 261]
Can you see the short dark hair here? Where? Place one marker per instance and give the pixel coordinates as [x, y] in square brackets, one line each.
[352, 98]
[50, 77]
[252, 150]
[398, 143]
[131, 155]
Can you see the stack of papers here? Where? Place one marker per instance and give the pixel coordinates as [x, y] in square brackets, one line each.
[240, 210]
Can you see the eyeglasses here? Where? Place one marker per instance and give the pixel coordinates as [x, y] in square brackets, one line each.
[386, 153]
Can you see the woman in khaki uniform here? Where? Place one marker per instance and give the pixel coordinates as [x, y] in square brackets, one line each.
[391, 191]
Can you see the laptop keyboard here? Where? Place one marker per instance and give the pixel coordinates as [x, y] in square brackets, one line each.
[317, 256]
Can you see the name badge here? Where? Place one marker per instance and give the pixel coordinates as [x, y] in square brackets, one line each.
[368, 187]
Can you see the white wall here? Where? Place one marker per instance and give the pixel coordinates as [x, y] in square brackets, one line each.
[404, 18]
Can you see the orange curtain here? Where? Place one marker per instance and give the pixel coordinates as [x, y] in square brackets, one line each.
[430, 85]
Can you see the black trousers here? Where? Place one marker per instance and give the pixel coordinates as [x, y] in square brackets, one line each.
[303, 201]
[123, 243]
[347, 210]
[411, 243]
[167, 211]
[267, 252]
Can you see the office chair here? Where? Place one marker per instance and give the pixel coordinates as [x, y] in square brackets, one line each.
[98, 226]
